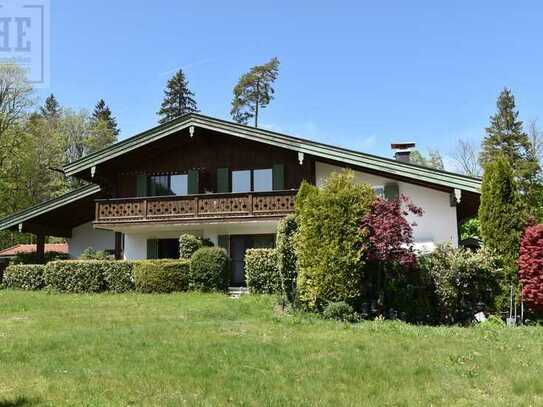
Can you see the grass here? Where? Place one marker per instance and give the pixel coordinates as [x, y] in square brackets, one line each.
[209, 350]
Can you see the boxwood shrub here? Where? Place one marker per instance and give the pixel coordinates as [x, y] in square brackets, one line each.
[24, 277]
[261, 271]
[210, 269]
[80, 276]
[161, 276]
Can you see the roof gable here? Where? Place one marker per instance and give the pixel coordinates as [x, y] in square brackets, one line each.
[342, 155]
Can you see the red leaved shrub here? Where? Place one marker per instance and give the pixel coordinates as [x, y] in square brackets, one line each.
[530, 266]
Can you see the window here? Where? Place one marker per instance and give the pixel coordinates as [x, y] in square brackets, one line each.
[241, 181]
[379, 191]
[252, 180]
[179, 184]
[262, 180]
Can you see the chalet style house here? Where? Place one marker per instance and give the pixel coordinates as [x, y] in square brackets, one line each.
[226, 182]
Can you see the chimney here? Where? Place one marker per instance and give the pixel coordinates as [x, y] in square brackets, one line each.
[402, 151]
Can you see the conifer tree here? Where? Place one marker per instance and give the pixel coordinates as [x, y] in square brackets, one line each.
[254, 91]
[102, 113]
[178, 99]
[499, 214]
[51, 108]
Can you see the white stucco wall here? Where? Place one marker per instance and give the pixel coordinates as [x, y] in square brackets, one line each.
[135, 238]
[437, 225]
[86, 235]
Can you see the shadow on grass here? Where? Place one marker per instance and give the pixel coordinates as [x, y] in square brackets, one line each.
[19, 402]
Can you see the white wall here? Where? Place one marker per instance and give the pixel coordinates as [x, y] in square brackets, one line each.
[437, 225]
[86, 235]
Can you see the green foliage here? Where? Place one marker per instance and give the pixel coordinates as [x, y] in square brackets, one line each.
[24, 277]
[118, 275]
[188, 244]
[329, 245]
[470, 229]
[102, 114]
[74, 276]
[161, 276]
[261, 271]
[434, 159]
[254, 91]
[210, 269]
[90, 254]
[499, 213]
[464, 281]
[178, 99]
[340, 311]
[286, 257]
[32, 258]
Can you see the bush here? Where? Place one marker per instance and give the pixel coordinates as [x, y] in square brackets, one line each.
[210, 269]
[340, 311]
[286, 257]
[188, 244]
[90, 254]
[32, 258]
[81, 276]
[329, 244]
[465, 282]
[24, 277]
[261, 271]
[530, 265]
[162, 276]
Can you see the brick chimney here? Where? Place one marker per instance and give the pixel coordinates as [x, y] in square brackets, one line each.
[402, 151]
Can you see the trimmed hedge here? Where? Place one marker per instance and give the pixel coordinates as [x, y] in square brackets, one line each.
[210, 269]
[162, 276]
[188, 244]
[261, 271]
[76, 276]
[24, 277]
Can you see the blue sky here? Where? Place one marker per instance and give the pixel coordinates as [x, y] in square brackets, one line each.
[359, 74]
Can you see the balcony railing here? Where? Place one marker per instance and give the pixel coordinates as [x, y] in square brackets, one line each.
[196, 207]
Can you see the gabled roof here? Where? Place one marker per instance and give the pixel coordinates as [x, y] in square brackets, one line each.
[371, 162]
[31, 248]
[44, 207]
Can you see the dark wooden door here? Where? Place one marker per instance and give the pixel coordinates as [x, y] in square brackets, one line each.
[238, 246]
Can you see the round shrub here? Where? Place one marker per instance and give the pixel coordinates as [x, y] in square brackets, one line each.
[261, 271]
[339, 311]
[76, 276]
[188, 244]
[286, 257]
[210, 269]
[24, 277]
[161, 276]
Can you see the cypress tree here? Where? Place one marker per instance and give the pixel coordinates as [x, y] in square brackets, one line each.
[178, 99]
[499, 214]
[102, 113]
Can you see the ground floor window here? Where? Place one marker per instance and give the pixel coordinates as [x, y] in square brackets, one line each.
[163, 248]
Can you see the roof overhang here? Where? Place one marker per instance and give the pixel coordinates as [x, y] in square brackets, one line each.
[303, 146]
[27, 217]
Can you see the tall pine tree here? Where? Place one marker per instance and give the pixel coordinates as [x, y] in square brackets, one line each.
[102, 113]
[178, 99]
[254, 91]
[51, 108]
[505, 137]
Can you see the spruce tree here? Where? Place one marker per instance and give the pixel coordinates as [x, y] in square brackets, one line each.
[499, 213]
[254, 91]
[102, 113]
[178, 99]
[51, 108]
[505, 137]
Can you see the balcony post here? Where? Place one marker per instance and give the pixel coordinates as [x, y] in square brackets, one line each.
[250, 205]
[97, 211]
[196, 209]
[144, 209]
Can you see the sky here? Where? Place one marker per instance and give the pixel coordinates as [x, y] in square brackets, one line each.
[358, 74]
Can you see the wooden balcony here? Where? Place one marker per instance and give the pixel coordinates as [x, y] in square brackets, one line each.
[196, 208]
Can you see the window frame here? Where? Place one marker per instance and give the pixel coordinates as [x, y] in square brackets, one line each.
[169, 183]
[252, 179]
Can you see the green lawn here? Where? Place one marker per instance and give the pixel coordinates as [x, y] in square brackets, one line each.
[194, 349]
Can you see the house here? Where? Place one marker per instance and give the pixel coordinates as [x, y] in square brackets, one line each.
[226, 182]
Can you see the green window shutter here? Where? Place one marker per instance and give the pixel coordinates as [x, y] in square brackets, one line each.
[152, 248]
[392, 191]
[223, 180]
[224, 243]
[193, 182]
[141, 185]
[278, 177]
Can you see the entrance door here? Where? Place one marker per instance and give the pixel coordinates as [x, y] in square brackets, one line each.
[238, 247]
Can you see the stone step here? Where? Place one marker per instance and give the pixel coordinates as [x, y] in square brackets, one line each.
[236, 292]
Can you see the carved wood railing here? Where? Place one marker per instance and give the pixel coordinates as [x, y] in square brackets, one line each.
[192, 207]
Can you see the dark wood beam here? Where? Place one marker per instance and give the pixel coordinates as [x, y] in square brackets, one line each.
[118, 245]
[40, 248]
